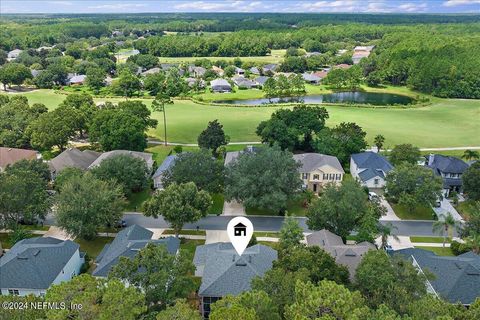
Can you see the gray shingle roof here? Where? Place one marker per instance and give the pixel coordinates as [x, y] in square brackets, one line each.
[344, 254]
[313, 161]
[220, 83]
[457, 279]
[166, 164]
[372, 160]
[448, 164]
[127, 243]
[261, 80]
[141, 155]
[73, 158]
[35, 263]
[224, 272]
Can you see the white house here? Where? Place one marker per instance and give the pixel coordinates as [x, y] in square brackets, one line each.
[32, 265]
[370, 169]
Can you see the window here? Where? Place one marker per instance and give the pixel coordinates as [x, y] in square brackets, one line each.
[375, 181]
[316, 177]
[339, 176]
[325, 176]
[13, 292]
[304, 176]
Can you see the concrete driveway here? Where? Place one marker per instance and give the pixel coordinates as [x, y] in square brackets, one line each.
[57, 233]
[233, 208]
[390, 215]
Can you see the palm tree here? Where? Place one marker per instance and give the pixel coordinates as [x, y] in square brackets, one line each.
[445, 226]
[378, 141]
[471, 155]
[385, 231]
[474, 242]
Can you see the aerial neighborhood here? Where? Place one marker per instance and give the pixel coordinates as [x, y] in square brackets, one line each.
[129, 143]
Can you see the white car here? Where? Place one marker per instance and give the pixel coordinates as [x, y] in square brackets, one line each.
[372, 195]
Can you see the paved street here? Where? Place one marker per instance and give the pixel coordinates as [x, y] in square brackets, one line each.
[405, 227]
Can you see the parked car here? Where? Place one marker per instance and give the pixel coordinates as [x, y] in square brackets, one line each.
[372, 196]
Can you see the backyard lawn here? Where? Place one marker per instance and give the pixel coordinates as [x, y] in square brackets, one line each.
[441, 251]
[186, 119]
[420, 213]
[93, 247]
[190, 245]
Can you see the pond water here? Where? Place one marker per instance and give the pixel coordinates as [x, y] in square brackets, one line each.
[373, 98]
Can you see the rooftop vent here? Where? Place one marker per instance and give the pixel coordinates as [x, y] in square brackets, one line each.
[36, 252]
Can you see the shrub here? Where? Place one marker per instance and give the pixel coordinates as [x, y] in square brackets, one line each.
[459, 248]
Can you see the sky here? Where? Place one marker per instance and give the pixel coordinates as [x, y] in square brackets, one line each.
[136, 6]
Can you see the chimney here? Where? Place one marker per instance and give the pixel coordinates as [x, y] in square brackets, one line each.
[431, 156]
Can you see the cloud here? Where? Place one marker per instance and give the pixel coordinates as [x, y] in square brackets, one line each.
[234, 6]
[455, 3]
[115, 6]
[61, 3]
[413, 7]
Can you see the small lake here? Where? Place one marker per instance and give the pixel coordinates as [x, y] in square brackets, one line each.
[373, 98]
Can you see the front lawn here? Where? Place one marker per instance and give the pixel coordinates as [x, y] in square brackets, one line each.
[429, 239]
[420, 213]
[465, 208]
[186, 232]
[93, 247]
[441, 251]
[294, 208]
[135, 200]
[217, 206]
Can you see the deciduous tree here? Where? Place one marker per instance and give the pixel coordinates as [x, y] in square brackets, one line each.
[213, 137]
[86, 203]
[471, 181]
[267, 178]
[179, 204]
[404, 153]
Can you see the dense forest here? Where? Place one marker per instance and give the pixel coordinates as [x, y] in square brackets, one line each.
[436, 54]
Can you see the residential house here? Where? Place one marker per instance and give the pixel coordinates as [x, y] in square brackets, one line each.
[370, 169]
[361, 52]
[192, 81]
[128, 243]
[341, 52]
[197, 72]
[321, 74]
[261, 80]
[35, 73]
[312, 54]
[348, 255]
[239, 71]
[224, 272]
[76, 79]
[255, 71]
[233, 155]
[220, 85]
[311, 78]
[158, 175]
[12, 55]
[450, 169]
[457, 279]
[151, 71]
[9, 156]
[147, 157]
[244, 83]
[32, 265]
[317, 170]
[271, 67]
[72, 158]
[219, 71]
[342, 66]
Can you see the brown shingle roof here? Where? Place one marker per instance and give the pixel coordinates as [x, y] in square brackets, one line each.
[12, 155]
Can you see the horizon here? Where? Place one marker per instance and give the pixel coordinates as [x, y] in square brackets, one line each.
[9, 7]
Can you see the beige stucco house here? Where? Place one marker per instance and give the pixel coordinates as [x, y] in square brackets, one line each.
[317, 170]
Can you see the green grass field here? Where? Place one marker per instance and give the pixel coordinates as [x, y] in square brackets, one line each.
[276, 56]
[428, 239]
[420, 213]
[440, 251]
[444, 123]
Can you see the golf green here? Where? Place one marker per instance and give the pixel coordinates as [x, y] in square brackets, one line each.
[444, 123]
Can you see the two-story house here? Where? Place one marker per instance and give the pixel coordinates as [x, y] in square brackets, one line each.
[450, 169]
[370, 169]
[317, 170]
